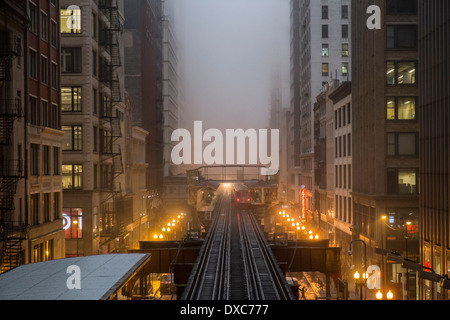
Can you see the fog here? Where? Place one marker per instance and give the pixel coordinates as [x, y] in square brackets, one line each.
[229, 53]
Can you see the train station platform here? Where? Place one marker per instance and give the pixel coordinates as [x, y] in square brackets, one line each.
[102, 277]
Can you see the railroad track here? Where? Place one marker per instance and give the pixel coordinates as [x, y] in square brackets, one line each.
[235, 261]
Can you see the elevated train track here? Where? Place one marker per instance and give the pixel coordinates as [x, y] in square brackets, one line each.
[235, 261]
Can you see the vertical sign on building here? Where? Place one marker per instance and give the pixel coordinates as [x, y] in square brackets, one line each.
[303, 203]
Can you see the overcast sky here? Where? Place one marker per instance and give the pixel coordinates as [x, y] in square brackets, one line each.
[228, 51]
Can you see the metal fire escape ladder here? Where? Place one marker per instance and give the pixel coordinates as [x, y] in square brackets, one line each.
[111, 153]
[12, 233]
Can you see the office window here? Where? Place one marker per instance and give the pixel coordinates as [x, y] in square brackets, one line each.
[95, 130]
[94, 63]
[325, 70]
[325, 50]
[324, 31]
[324, 12]
[345, 31]
[402, 144]
[44, 70]
[345, 50]
[55, 117]
[401, 6]
[71, 60]
[33, 18]
[401, 72]
[72, 176]
[94, 25]
[349, 176]
[33, 64]
[401, 108]
[344, 12]
[349, 113]
[34, 159]
[44, 26]
[401, 36]
[71, 20]
[345, 68]
[402, 181]
[73, 222]
[73, 138]
[71, 99]
[95, 100]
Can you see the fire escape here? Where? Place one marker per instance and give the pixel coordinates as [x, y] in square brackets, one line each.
[12, 232]
[110, 150]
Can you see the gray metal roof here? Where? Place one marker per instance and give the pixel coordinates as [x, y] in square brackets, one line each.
[101, 276]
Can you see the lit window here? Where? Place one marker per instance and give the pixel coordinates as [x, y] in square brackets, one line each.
[345, 69]
[325, 69]
[401, 108]
[71, 20]
[345, 50]
[73, 222]
[325, 51]
[72, 176]
[401, 72]
[70, 99]
[73, 138]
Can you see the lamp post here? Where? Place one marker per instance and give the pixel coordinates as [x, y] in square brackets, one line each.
[76, 231]
[364, 265]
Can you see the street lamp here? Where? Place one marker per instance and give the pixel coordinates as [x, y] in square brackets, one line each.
[365, 259]
[389, 295]
[379, 295]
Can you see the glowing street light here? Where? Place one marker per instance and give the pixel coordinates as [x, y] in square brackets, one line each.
[389, 295]
[379, 295]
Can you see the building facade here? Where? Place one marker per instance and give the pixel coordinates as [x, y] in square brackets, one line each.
[144, 80]
[320, 51]
[434, 137]
[385, 157]
[31, 193]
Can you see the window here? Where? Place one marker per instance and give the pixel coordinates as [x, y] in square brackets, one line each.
[325, 50]
[34, 207]
[45, 114]
[34, 111]
[94, 63]
[71, 99]
[71, 20]
[95, 99]
[33, 64]
[401, 72]
[401, 108]
[401, 36]
[345, 69]
[44, 26]
[345, 31]
[95, 129]
[44, 70]
[32, 17]
[324, 31]
[345, 50]
[56, 202]
[73, 222]
[349, 176]
[54, 75]
[94, 25]
[55, 117]
[56, 163]
[344, 12]
[349, 139]
[324, 12]
[34, 159]
[54, 33]
[71, 60]
[325, 69]
[72, 176]
[46, 206]
[349, 113]
[73, 138]
[46, 160]
[401, 6]
[402, 144]
[402, 181]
